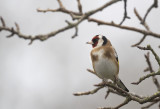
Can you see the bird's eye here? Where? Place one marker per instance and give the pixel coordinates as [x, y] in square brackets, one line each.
[95, 40]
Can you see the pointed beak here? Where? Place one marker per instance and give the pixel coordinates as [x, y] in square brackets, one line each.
[90, 43]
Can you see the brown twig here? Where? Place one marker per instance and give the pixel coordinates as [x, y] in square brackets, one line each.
[145, 77]
[154, 5]
[43, 37]
[128, 95]
[144, 24]
[148, 62]
[126, 101]
[141, 40]
[125, 12]
[3, 22]
[91, 71]
[89, 92]
[76, 32]
[99, 22]
[17, 27]
[79, 6]
[140, 19]
[149, 105]
[155, 81]
[153, 52]
[152, 73]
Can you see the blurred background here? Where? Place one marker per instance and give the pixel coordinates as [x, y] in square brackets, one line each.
[45, 75]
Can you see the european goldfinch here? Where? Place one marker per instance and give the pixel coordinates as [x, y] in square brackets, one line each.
[105, 60]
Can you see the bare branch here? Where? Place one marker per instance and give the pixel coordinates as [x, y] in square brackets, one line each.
[144, 24]
[134, 97]
[60, 3]
[155, 81]
[91, 71]
[76, 32]
[3, 22]
[48, 10]
[141, 40]
[88, 92]
[153, 52]
[99, 22]
[140, 19]
[12, 33]
[148, 62]
[146, 76]
[17, 27]
[126, 101]
[43, 37]
[154, 5]
[149, 105]
[152, 73]
[79, 6]
[125, 12]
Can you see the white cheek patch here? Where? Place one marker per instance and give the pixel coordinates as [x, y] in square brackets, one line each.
[100, 42]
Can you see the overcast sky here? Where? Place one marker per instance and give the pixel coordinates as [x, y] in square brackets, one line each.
[45, 75]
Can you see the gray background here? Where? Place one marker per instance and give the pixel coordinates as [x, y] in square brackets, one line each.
[45, 74]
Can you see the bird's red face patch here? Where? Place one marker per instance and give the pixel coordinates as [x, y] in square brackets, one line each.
[95, 41]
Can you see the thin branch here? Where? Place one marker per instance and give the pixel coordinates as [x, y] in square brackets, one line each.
[99, 22]
[63, 10]
[91, 71]
[154, 5]
[134, 97]
[148, 62]
[145, 77]
[79, 6]
[126, 101]
[155, 81]
[12, 33]
[76, 32]
[151, 71]
[140, 19]
[153, 52]
[141, 40]
[149, 105]
[88, 92]
[43, 37]
[60, 4]
[125, 12]
[3, 22]
[144, 24]
[17, 27]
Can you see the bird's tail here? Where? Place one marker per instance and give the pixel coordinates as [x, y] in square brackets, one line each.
[121, 85]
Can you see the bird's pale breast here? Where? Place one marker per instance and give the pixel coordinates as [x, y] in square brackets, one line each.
[103, 66]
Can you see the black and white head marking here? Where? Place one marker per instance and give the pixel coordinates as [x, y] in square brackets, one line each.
[105, 40]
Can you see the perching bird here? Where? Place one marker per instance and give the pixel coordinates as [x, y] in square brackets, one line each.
[105, 60]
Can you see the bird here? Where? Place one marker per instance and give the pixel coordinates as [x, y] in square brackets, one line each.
[105, 60]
